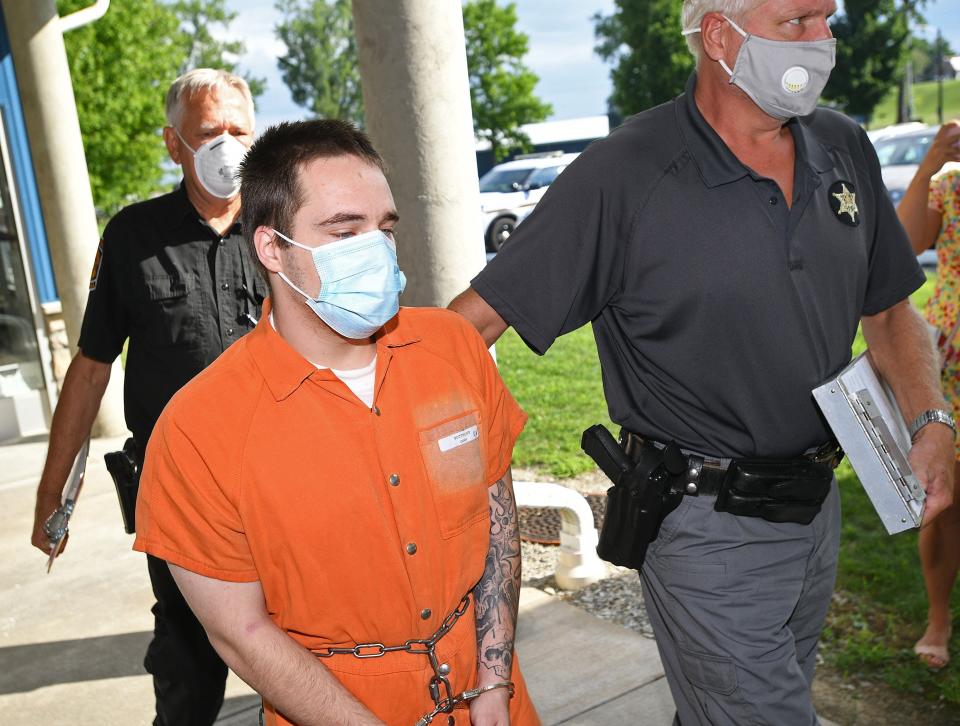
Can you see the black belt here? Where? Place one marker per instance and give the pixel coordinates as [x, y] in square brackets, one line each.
[705, 475]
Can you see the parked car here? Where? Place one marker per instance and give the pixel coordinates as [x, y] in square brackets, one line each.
[510, 190]
[876, 135]
[900, 150]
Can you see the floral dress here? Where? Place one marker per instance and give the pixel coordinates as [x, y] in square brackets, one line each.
[943, 307]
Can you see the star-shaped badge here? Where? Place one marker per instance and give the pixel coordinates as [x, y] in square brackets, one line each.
[843, 202]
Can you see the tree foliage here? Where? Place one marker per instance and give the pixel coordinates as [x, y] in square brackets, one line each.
[320, 66]
[501, 86]
[321, 70]
[924, 54]
[651, 61]
[201, 48]
[121, 67]
[871, 50]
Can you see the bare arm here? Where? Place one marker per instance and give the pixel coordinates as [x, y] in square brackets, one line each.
[484, 318]
[902, 350]
[287, 675]
[497, 600]
[83, 388]
[922, 223]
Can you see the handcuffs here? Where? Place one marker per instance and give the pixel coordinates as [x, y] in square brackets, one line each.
[443, 703]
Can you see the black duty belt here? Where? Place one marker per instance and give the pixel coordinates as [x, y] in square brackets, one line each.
[706, 475]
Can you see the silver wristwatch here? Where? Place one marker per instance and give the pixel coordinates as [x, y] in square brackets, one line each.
[931, 415]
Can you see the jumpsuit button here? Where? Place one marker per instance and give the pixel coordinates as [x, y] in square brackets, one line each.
[222, 242]
[425, 614]
[773, 201]
[394, 480]
[229, 331]
[412, 548]
[444, 669]
[376, 411]
[225, 286]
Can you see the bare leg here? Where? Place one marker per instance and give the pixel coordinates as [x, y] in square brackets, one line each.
[940, 559]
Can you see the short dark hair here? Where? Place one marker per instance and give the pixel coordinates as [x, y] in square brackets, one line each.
[270, 186]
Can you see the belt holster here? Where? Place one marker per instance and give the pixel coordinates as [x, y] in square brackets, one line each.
[124, 467]
[790, 490]
[646, 488]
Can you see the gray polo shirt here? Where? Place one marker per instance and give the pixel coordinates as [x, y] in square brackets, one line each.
[716, 308]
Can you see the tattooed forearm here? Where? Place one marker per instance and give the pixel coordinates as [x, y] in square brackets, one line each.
[498, 592]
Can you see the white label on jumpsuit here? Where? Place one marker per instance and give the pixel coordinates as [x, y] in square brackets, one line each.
[459, 439]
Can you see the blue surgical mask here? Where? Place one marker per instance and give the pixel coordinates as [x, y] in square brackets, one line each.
[360, 283]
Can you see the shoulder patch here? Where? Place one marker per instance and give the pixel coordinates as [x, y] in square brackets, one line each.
[98, 260]
[843, 202]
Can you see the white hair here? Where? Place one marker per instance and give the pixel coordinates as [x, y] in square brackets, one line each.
[203, 79]
[694, 10]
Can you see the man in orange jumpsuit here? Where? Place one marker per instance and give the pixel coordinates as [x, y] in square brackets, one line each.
[333, 495]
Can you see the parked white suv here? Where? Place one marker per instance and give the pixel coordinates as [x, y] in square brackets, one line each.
[510, 190]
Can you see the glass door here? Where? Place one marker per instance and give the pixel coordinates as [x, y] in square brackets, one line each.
[24, 404]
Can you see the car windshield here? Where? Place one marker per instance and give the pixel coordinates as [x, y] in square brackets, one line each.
[544, 177]
[904, 149]
[503, 180]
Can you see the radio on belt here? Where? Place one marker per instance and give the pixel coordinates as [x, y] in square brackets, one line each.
[860, 409]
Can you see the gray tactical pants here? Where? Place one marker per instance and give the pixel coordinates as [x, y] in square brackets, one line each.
[737, 605]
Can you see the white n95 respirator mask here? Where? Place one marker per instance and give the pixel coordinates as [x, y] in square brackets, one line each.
[217, 162]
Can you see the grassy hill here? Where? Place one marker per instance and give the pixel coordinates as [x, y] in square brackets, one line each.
[924, 104]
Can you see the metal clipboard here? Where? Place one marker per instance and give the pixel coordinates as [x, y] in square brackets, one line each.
[866, 421]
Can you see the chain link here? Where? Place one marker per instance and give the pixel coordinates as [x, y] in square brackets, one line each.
[410, 646]
[445, 700]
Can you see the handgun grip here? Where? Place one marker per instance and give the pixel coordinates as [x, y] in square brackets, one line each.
[599, 445]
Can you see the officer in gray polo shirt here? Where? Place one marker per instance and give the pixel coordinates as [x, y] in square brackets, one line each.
[724, 247]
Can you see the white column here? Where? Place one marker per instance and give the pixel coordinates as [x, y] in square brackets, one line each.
[56, 145]
[416, 95]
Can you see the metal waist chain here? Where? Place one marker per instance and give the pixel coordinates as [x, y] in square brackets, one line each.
[444, 700]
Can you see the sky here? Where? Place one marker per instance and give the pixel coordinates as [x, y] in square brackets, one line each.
[573, 79]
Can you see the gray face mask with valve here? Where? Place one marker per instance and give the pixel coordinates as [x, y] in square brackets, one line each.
[784, 78]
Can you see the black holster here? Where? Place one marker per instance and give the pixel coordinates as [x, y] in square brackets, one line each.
[646, 488]
[124, 467]
[780, 491]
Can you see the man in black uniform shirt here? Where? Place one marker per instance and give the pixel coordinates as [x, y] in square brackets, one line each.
[173, 276]
[724, 247]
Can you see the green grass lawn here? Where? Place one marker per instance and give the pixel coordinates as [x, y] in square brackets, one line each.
[873, 627]
[881, 608]
[924, 104]
[562, 394]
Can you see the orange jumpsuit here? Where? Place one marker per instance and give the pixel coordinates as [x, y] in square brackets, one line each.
[362, 525]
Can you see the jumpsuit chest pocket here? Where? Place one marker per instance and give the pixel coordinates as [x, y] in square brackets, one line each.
[453, 456]
[170, 310]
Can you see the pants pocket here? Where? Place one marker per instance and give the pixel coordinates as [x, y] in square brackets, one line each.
[713, 673]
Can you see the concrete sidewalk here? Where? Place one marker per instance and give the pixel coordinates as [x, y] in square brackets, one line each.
[72, 642]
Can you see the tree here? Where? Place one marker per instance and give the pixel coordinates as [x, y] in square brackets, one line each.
[121, 66]
[924, 55]
[322, 72]
[501, 86]
[201, 49]
[320, 66]
[871, 50]
[642, 38]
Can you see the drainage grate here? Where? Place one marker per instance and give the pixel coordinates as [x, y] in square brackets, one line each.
[542, 524]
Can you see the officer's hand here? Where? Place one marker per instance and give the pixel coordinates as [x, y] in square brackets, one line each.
[932, 460]
[945, 147]
[491, 708]
[45, 507]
